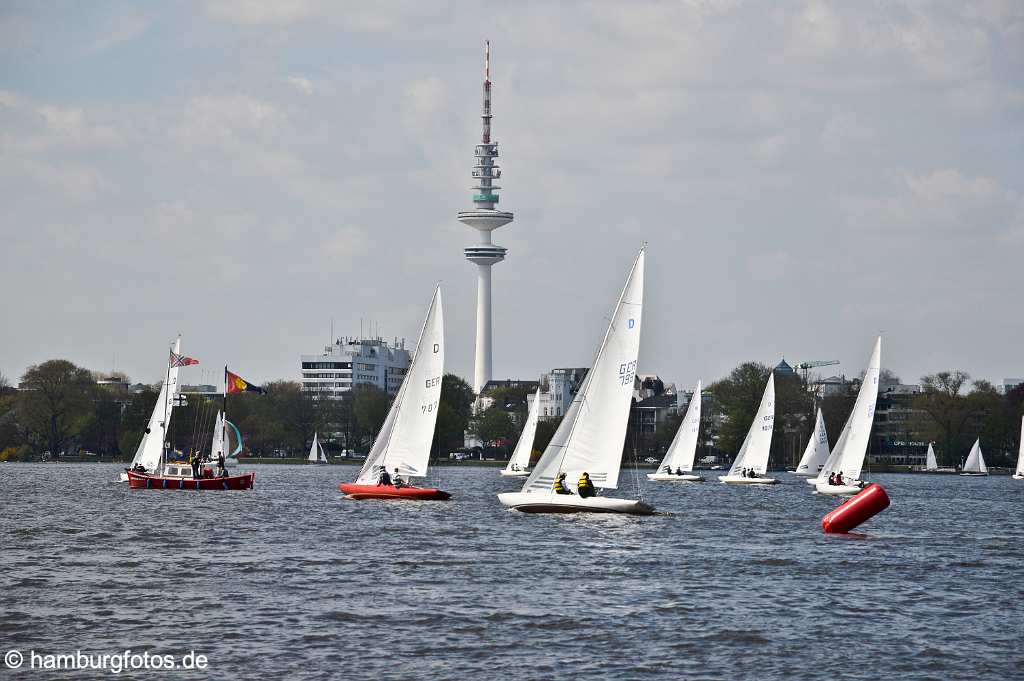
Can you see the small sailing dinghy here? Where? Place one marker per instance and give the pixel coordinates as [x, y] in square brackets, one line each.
[316, 452]
[751, 463]
[402, 447]
[975, 463]
[678, 462]
[590, 437]
[151, 449]
[816, 452]
[847, 458]
[519, 464]
[1019, 473]
[930, 462]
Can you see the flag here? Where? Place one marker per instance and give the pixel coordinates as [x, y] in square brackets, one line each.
[181, 360]
[237, 384]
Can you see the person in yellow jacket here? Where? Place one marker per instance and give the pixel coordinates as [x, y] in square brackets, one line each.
[559, 486]
[585, 486]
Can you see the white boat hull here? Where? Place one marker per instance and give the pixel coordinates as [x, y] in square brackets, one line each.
[672, 477]
[740, 480]
[837, 490]
[541, 502]
[813, 481]
[514, 474]
[1017, 476]
[974, 475]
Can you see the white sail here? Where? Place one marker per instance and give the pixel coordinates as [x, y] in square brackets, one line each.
[931, 463]
[524, 448]
[151, 448]
[404, 440]
[593, 430]
[848, 455]
[1020, 451]
[816, 452]
[975, 461]
[315, 452]
[681, 452]
[218, 446]
[757, 444]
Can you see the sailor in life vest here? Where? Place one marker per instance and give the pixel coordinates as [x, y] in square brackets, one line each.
[585, 487]
[559, 486]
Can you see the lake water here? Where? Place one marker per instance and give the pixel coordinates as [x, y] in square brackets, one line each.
[290, 580]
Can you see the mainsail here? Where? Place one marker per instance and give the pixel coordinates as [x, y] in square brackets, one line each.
[524, 448]
[930, 462]
[817, 449]
[848, 455]
[1020, 451]
[404, 440]
[592, 433]
[151, 448]
[975, 461]
[681, 452]
[218, 446]
[316, 452]
[757, 444]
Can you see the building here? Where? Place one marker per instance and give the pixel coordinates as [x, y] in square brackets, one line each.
[1010, 383]
[350, 362]
[895, 438]
[485, 218]
[557, 388]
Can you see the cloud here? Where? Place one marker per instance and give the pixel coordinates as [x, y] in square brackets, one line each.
[846, 132]
[301, 84]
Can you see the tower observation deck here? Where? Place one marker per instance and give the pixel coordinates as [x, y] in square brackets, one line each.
[485, 218]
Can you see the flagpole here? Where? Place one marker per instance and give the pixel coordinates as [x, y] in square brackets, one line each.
[163, 422]
[225, 403]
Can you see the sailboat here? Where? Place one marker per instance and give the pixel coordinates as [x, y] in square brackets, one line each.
[975, 463]
[520, 460]
[402, 447]
[151, 448]
[679, 458]
[316, 452]
[591, 435]
[816, 452]
[930, 462]
[753, 454]
[1019, 473]
[848, 456]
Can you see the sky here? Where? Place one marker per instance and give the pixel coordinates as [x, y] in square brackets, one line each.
[806, 175]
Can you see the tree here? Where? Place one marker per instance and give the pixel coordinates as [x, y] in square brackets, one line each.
[739, 395]
[370, 407]
[947, 410]
[545, 431]
[453, 414]
[55, 402]
[493, 424]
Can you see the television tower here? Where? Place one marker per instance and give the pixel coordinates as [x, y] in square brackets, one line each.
[485, 218]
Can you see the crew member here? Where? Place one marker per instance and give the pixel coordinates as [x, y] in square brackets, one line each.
[559, 486]
[584, 486]
[195, 466]
[839, 478]
[679, 471]
[221, 470]
[384, 480]
[396, 480]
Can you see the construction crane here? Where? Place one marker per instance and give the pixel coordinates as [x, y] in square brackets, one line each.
[807, 366]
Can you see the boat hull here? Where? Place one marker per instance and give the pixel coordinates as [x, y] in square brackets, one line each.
[390, 492]
[540, 502]
[231, 482]
[837, 490]
[740, 480]
[514, 474]
[1017, 476]
[671, 477]
[974, 475]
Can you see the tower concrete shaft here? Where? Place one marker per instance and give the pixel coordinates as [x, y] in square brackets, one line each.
[485, 218]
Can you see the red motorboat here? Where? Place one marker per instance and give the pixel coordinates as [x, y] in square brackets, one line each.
[355, 491]
[147, 481]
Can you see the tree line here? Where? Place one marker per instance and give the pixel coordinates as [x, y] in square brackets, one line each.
[60, 408]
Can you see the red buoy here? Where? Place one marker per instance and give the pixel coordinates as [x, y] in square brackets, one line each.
[866, 504]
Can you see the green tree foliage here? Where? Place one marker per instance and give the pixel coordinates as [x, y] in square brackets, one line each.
[55, 403]
[738, 396]
[545, 431]
[453, 414]
[493, 424]
[370, 407]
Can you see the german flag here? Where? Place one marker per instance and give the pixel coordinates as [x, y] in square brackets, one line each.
[237, 384]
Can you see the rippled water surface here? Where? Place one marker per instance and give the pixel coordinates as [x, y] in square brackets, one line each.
[290, 580]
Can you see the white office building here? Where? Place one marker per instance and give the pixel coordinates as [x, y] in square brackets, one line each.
[350, 362]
